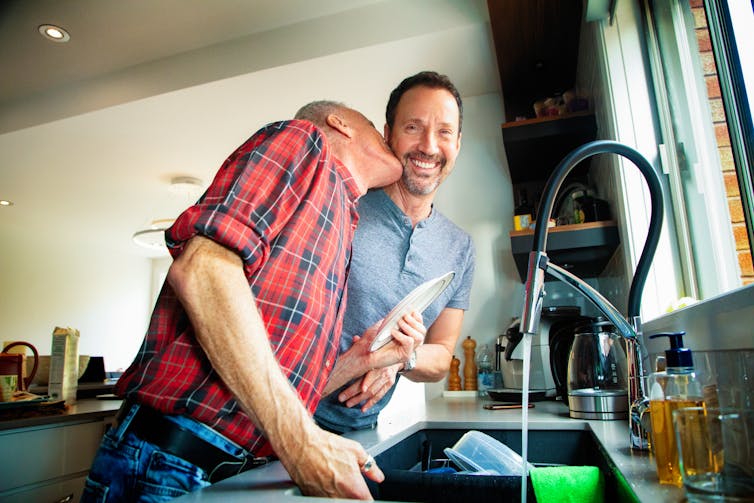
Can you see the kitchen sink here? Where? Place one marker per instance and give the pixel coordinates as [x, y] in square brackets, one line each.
[405, 480]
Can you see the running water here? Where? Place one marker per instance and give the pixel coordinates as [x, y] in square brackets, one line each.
[525, 416]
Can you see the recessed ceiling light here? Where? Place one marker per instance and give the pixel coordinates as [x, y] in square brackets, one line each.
[5, 202]
[54, 33]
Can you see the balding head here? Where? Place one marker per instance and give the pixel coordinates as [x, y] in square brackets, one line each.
[317, 112]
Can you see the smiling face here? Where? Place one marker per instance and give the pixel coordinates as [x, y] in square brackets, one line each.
[425, 137]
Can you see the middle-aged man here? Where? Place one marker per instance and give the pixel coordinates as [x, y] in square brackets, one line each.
[245, 330]
[402, 241]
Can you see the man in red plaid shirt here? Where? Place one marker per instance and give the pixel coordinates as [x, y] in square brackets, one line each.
[245, 331]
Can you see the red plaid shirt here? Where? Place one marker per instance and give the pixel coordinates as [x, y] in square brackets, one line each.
[287, 207]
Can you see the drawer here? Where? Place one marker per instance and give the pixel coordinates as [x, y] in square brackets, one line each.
[56, 492]
[37, 454]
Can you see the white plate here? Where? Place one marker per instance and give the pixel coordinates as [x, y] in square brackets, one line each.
[419, 299]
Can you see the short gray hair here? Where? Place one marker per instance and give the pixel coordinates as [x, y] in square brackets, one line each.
[317, 111]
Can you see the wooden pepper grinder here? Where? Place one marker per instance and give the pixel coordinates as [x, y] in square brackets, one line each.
[469, 367]
[454, 380]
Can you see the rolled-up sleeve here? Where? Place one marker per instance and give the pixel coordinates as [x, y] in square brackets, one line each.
[254, 193]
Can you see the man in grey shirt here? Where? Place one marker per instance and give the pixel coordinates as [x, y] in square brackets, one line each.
[402, 241]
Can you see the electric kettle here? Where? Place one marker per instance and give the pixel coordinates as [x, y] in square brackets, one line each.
[598, 373]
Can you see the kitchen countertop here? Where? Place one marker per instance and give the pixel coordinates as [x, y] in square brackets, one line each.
[271, 483]
[82, 410]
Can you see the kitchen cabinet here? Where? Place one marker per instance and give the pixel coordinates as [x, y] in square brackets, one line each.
[581, 249]
[534, 147]
[537, 46]
[49, 462]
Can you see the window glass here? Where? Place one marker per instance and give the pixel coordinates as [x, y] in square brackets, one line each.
[689, 111]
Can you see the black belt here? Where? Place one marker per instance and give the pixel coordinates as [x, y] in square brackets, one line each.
[152, 426]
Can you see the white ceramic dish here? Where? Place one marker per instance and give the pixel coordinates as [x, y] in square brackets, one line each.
[419, 299]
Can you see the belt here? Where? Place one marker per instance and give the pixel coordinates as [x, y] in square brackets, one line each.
[152, 426]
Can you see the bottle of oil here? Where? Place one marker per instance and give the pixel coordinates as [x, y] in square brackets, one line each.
[671, 389]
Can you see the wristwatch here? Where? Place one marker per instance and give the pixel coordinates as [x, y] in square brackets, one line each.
[410, 364]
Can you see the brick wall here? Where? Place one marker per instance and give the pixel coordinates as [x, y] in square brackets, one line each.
[743, 250]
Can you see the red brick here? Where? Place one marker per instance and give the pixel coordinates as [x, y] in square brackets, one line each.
[700, 19]
[713, 86]
[744, 262]
[736, 210]
[717, 110]
[731, 184]
[703, 39]
[741, 236]
[726, 158]
[721, 135]
[708, 63]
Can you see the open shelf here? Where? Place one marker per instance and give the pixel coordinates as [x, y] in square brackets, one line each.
[582, 249]
[534, 147]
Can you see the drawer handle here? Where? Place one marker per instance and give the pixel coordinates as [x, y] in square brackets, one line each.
[65, 499]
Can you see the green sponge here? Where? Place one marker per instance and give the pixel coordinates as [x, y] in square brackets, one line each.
[568, 484]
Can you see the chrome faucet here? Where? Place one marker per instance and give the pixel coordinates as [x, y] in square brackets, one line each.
[629, 327]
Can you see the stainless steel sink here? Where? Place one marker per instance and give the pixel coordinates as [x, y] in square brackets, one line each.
[405, 481]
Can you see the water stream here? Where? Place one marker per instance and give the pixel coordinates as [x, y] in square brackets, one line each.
[525, 416]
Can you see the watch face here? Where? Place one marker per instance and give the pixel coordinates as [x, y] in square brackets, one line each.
[411, 363]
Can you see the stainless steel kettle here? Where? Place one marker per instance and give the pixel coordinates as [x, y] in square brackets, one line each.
[598, 373]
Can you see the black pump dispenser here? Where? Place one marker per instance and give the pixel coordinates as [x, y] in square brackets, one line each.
[677, 357]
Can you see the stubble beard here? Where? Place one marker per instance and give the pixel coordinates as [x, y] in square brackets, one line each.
[420, 185]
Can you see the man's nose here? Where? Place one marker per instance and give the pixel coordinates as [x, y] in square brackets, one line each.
[428, 142]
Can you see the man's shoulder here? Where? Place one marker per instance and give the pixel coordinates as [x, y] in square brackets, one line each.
[287, 138]
[450, 227]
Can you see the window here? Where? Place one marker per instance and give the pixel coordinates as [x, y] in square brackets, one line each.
[704, 121]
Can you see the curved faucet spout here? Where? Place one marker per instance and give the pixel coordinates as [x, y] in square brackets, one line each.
[539, 265]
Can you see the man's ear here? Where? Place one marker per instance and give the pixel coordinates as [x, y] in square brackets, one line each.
[339, 124]
[386, 132]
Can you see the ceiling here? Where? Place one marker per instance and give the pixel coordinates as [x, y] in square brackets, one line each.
[92, 130]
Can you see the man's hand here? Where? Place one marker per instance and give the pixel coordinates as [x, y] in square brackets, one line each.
[330, 465]
[408, 336]
[370, 388]
[359, 360]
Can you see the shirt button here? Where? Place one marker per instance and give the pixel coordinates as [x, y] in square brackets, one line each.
[327, 363]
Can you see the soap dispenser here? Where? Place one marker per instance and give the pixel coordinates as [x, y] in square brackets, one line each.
[671, 389]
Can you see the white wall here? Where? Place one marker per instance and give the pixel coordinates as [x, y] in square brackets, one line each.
[50, 281]
[103, 286]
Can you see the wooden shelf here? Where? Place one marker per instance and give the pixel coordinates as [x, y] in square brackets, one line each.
[543, 120]
[582, 249]
[534, 147]
[567, 228]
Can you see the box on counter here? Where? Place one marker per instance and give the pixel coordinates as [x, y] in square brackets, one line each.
[64, 364]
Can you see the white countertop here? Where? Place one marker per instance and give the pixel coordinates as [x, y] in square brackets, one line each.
[271, 483]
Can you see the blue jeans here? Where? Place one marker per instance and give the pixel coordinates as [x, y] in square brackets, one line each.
[127, 468]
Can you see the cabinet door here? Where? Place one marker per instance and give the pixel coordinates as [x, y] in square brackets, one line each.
[37, 454]
[56, 492]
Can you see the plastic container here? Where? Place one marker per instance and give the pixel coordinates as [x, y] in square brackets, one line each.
[675, 388]
[479, 453]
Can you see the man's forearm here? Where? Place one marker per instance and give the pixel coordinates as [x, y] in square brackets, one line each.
[432, 363]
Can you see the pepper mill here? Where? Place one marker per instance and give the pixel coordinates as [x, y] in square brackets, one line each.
[469, 367]
[454, 380]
